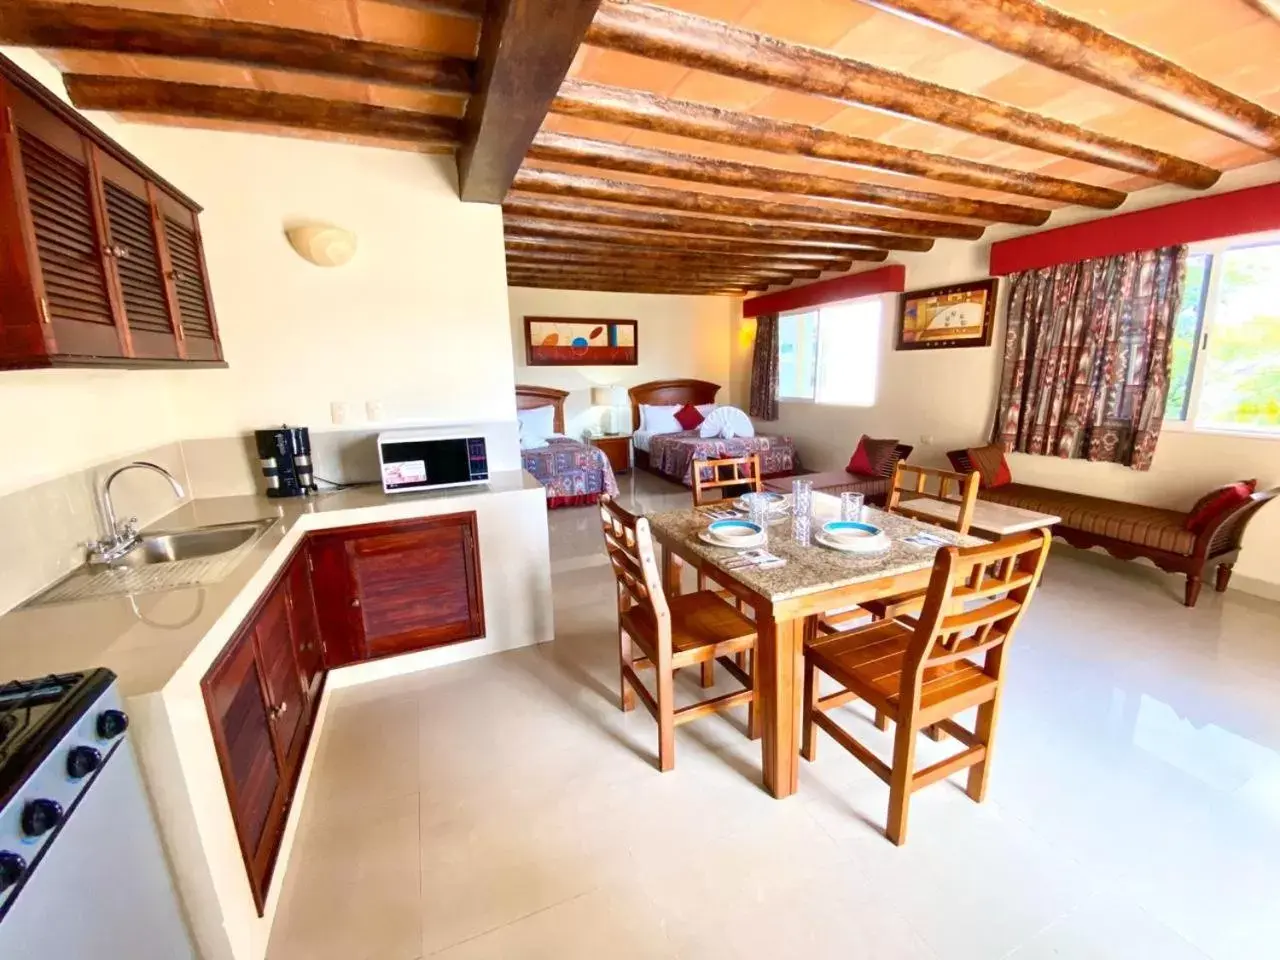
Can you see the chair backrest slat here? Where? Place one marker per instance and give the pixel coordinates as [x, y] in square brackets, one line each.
[635, 566]
[967, 612]
[711, 475]
[931, 483]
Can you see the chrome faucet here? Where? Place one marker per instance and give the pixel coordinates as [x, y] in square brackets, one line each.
[122, 536]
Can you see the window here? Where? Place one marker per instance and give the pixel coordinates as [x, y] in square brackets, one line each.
[830, 355]
[1226, 347]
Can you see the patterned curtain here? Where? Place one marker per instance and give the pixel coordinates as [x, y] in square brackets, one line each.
[1086, 357]
[764, 369]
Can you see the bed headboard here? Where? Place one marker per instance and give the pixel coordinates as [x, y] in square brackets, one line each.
[529, 397]
[667, 392]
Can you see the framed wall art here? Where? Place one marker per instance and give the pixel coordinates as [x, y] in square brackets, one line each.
[961, 315]
[575, 342]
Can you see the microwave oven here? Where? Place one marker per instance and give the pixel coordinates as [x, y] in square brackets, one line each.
[414, 461]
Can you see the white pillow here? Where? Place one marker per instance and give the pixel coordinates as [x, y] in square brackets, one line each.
[532, 443]
[537, 423]
[727, 422]
[705, 409]
[659, 419]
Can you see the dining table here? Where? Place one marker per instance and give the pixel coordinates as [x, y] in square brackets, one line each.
[787, 599]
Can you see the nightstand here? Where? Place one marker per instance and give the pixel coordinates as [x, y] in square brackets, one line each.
[617, 449]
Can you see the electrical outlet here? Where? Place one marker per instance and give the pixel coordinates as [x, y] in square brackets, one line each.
[926, 439]
[340, 412]
[375, 410]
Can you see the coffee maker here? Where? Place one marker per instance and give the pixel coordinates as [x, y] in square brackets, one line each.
[284, 453]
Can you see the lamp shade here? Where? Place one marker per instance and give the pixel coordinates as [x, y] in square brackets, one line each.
[602, 396]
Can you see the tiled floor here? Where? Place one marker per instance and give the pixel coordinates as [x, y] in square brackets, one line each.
[505, 808]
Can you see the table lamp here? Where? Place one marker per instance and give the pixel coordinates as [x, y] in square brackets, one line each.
[611, 397]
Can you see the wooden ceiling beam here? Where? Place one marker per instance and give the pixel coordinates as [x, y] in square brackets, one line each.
[1051, 39]
[138, 95]
[605, 155]
[671, 284]
[1270, 7]
[526, 48]
[682, 118]
[707, 282]
[520, 205]
[533, 227]
[670, 259]
[621, 287]
[516, 262]
[836, 260]
[557, 183]
[691, 41]
[83, 26]
[471, 9]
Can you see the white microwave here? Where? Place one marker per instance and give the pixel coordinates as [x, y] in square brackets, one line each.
[418, 461]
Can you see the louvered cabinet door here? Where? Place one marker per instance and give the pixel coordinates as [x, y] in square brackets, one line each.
[57, 213]
[184, 250]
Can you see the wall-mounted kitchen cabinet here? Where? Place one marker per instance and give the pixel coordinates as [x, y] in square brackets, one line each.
[101, 262]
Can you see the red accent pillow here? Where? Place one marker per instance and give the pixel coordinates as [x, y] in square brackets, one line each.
[870, 457]
[989, 461]
[1228, 498]
[689, 417]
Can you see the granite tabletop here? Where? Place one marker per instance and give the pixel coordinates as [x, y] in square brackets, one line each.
[814, 568]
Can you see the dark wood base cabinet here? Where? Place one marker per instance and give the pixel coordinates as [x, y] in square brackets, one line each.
[394, 588]
[346, 595]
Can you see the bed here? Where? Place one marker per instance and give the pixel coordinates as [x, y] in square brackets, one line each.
[573, 473]
[671, 455]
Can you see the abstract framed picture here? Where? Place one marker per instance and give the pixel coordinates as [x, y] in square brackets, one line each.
[574, 342]
[957, 316]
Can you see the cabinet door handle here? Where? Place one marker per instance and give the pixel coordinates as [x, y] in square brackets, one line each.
[355, 602]
[280, 711]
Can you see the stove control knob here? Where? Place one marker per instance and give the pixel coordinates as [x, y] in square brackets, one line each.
[12, 867]
[40, 816]
[112, 723]
[82, 761]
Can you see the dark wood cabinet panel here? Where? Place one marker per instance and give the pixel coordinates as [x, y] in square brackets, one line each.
[239, 714]
[393, 588]
[272, 631]
[101, 261]
[306, 628]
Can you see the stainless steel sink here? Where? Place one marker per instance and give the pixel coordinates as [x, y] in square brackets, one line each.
[171, 546]
[162, 560]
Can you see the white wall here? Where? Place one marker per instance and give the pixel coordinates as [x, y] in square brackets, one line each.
[678, 337]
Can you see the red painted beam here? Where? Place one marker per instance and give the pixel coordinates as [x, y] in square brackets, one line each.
[1252, 210]
[888, 279]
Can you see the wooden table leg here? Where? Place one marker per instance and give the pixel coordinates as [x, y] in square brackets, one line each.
[778, 652]
[671, 570]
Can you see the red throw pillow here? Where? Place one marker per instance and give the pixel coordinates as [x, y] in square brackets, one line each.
[870, 457]
[1228, 498]
[688, 417]
[989, 461]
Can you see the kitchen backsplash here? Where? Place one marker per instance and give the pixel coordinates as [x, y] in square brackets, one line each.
[44, 527]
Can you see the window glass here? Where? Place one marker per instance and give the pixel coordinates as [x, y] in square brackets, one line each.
[848, 353]
[797, 355]
[1186, 336]
[1241, 377]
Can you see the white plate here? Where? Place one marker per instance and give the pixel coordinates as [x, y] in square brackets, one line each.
[742, 543]
[876, 544]
[780, 506]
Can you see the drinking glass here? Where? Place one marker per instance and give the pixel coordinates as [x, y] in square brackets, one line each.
[851, 506]
[758, 512]
[801, 511]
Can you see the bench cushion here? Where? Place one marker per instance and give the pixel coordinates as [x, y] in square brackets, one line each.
[835, 482]
[1151, 527]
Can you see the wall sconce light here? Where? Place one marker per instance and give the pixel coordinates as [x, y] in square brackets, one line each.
[322, 244]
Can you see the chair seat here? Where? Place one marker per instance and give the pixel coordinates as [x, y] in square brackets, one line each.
[868, 661]
[703, 627]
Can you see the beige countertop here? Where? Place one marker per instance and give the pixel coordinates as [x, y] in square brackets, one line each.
[146, 639]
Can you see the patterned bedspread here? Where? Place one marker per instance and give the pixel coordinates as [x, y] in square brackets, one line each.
[572, 472]
[672, 453]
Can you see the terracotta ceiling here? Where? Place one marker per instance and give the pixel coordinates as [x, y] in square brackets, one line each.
[701, 229]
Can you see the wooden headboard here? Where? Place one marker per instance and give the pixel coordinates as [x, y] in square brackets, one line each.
[667, 392]
[529, 397]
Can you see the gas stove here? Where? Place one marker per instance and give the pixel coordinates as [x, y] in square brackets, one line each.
[82, 871]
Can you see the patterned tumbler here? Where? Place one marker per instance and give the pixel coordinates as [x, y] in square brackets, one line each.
[802, 511]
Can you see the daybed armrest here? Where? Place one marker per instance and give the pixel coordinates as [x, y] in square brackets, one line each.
[1224, 532]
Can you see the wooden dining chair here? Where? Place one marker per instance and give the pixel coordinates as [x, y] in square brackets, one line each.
[921, 673]
[671, 632]
[729, 476]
